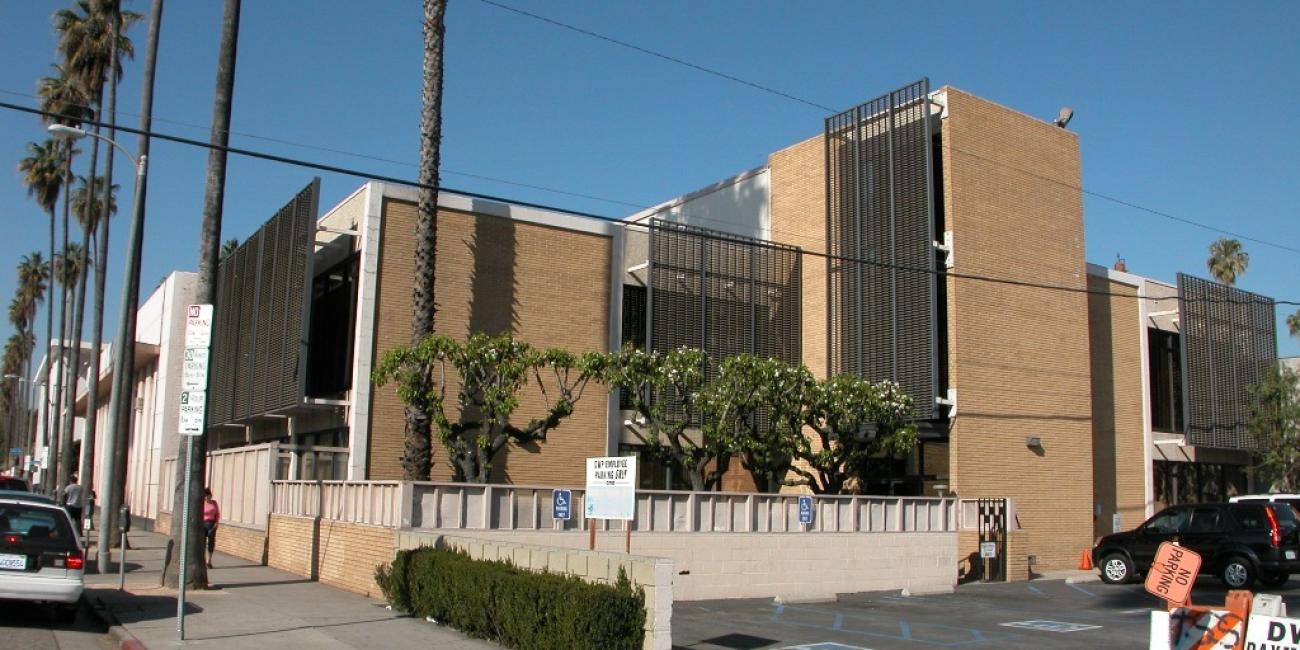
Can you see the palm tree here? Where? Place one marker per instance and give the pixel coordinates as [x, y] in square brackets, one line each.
[43, 175]
[93, 41]
[33, 274]
[69, 266]
[1227, 261]
[417, 454]
[205, 292]
[1293, 324]
[64, 100]
[228, 248]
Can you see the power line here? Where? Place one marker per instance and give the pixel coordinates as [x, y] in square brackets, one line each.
[729, 77]
[660, 55]
[401, 181]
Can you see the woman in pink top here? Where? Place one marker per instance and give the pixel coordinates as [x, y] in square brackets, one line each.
[211, 517]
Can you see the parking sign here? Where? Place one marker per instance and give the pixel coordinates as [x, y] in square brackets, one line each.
[805, 510]
[561, 504]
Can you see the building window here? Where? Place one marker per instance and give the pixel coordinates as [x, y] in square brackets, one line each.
[1166, 380]
[1178, 483]
[653, 473]
[333, 317]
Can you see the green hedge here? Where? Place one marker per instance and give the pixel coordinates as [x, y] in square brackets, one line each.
[514, 607]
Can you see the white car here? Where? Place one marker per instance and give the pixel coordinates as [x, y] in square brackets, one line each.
[40, 555]
[1293, 499]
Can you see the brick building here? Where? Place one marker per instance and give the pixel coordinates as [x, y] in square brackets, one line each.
[927, 236]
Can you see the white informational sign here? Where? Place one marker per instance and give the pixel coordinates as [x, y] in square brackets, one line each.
[611, 488]
[198, 326]
[1272, 633]
[988, 550]
[192, 407]
[194, 370]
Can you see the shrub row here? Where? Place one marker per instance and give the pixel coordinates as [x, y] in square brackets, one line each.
[514, 607]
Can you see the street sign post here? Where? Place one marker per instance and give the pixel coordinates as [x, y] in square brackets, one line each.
[561, 504]
[805, 510]
[610, 494]
[194, 386]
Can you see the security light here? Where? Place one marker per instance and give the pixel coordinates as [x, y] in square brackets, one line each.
[1033, 442]
[1064, 117]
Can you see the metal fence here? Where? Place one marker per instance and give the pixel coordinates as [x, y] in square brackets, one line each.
[510, 507]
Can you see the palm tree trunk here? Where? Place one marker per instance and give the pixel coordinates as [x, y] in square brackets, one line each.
[63, 299]
[417, 456]
[112, 495]
[79, 306]
[205, 293]
[49, 336]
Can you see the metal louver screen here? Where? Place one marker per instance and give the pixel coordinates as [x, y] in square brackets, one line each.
[880, 230]
[260, 334]
[1229, 340]
[723, 293]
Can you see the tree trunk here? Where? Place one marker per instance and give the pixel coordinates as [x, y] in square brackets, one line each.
[57, 416]
[205, 293]
[112, 494]
[79, 304]
[121, 404]
[417, 458]
[49, 337]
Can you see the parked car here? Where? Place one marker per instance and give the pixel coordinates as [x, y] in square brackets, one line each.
[1293, 499]
[13, 483]
[19, 494]
[40, 555]
[1241, 543]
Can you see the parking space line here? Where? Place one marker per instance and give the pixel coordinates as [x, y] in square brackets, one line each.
[1078, 588]
[1035, 590]
[839, 622]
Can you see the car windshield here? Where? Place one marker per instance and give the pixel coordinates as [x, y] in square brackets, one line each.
[34, 523]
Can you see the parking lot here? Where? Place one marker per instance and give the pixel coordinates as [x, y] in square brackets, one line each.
[1038, 614]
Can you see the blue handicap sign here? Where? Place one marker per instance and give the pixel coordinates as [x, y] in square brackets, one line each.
[805, 510]
[561, 500]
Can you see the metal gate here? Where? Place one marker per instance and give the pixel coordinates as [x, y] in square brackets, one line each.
[993, 531]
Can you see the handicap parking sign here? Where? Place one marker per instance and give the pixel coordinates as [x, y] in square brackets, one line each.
[805, 510]
[561, 500]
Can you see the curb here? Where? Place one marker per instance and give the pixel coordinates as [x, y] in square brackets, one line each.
[1074, 580]
[121, 637]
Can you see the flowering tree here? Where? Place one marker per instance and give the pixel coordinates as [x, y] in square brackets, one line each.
[854, 420]
[756, 406]
[665, 390]
[1275, 418]
[491, 372]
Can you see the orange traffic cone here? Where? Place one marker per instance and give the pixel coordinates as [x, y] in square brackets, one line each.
[1085, 563]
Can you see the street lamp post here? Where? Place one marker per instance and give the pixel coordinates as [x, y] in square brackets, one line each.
[123, 343]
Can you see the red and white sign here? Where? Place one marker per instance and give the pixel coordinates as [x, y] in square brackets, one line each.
[198, 326]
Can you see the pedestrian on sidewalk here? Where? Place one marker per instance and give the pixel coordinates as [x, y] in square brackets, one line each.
[72, 500]
[211, 517]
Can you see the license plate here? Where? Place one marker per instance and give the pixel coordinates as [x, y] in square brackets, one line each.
[13, 562]
[1290, 555]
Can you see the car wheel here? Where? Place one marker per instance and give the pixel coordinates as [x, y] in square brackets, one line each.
[1237, 573]
[1273, 580]
[1116, 569]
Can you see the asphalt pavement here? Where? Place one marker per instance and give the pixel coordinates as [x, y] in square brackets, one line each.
[1017, 615]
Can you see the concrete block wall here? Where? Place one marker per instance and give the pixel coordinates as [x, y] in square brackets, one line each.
[242, 541]
[289, 546]
[790, 566]
[654, 575]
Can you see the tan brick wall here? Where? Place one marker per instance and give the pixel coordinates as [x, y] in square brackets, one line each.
[349, 554]
[248, 543]
[798, 216]
[1019, 357]
[548, 286]
[1119, 472]
[289, 544]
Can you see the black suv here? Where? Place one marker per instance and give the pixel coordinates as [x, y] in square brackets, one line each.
[1238, 542]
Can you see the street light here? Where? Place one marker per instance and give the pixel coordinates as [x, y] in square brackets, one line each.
[124, 343]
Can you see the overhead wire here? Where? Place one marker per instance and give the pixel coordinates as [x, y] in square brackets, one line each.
[623, 222]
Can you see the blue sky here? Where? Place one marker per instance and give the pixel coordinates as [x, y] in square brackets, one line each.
[1180, 107]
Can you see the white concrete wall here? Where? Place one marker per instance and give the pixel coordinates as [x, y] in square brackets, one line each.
[789, 566]
[654, 575]
[740, 205]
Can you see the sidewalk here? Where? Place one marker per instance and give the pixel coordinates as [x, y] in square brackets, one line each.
[254, 607]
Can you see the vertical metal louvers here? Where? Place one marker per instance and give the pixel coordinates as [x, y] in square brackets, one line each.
[1229, 342]
[259, 339]
[723, 293]
[880, 231]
